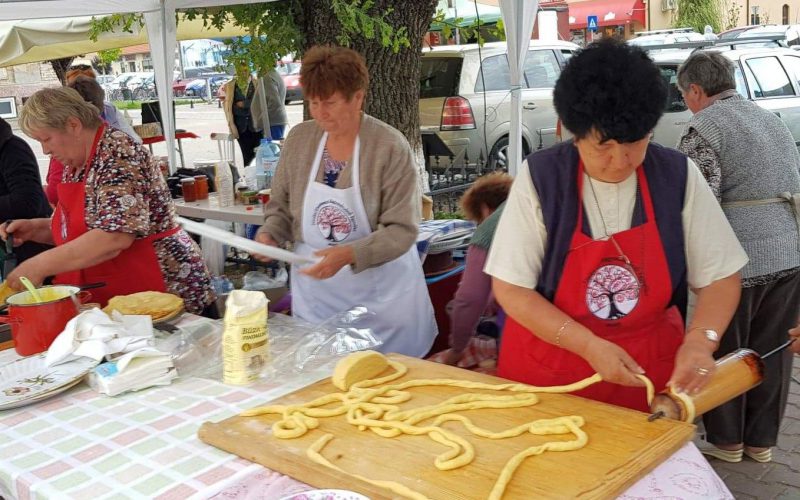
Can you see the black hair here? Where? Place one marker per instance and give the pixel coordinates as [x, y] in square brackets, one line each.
[612, 87]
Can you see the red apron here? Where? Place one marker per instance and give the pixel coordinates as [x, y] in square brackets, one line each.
[625, 304]
[135, 269]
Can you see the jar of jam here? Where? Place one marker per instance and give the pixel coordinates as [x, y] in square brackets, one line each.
[201, 183]
[189, 189]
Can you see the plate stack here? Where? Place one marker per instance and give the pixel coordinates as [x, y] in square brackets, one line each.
[438, 239]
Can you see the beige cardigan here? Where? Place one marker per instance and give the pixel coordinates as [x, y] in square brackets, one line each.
[388, 188]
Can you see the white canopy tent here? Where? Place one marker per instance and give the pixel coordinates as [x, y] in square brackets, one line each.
[161, 27]
[518, 18]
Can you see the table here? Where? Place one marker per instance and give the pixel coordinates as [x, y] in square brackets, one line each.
[210, 209]
[83, 445]
[178, 137]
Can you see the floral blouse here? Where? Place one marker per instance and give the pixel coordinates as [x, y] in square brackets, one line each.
[126, 192]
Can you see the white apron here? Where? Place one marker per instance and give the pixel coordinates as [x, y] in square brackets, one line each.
[395, 291]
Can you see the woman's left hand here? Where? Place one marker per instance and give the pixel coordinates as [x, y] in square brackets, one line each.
[333, 259]
[694, 365]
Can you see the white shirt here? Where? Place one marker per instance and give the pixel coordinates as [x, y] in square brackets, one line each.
[712, 250]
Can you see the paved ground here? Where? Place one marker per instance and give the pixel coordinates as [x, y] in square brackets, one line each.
[780, 478]
[747, 480]
[202, 119]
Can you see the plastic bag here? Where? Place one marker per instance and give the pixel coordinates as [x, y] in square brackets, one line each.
[258, 280]
[213, 251]
[297, 348]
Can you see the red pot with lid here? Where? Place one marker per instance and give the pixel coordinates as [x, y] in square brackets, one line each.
[35, 325]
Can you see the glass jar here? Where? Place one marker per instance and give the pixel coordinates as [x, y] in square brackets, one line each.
[201, 183]
[189, 189]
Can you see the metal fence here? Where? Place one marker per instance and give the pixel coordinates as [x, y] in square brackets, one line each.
[450, 175]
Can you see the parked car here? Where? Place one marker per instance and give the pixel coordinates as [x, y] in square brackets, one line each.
[665, 37]
[197, 87]
[768, 76]
[118, 89]
[734, 32]
[290, 73]
[790, 33]
[465, 98]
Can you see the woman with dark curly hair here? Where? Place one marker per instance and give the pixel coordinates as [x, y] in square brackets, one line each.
[600, 239]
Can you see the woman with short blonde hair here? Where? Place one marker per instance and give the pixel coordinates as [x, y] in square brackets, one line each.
[52, 108]
[114, 219]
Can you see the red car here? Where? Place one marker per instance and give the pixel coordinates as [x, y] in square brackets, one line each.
[179, 86]
[290, 72]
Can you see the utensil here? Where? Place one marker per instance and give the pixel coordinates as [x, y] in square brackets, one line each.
[735, 374]
[32, 289]
[11, 258]
[243, 243]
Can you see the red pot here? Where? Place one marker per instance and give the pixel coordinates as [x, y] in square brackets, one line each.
[34, 326]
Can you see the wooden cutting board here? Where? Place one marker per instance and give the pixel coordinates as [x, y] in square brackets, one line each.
[623, 446]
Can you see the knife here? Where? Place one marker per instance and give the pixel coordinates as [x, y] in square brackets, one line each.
[10, 262]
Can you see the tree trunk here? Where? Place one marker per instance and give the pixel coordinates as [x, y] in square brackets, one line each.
[393, 95]
[61, 66]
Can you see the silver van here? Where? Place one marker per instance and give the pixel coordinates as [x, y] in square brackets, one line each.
[465, 96]
[770, 77]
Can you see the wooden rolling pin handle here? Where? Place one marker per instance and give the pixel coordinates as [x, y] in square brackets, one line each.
[736, 373]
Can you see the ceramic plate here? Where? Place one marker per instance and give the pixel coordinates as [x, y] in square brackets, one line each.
[326, 495]
[28, 380]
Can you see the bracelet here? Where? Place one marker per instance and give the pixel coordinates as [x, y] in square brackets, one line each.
[561, 331]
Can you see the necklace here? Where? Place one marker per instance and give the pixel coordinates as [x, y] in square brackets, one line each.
[597, 204]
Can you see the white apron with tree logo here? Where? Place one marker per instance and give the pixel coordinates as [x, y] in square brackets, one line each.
[394, 291]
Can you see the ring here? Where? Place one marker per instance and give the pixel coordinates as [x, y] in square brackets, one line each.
[701, 371]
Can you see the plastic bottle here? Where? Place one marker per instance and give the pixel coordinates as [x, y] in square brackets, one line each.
[266, 163]
[223, 179]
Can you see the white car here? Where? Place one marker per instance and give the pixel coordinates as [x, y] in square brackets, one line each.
[465, 99]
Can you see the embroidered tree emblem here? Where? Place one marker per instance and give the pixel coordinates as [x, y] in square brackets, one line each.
[612, 293]
[333, 223]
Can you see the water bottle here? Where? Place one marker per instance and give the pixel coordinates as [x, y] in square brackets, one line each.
[224, 183]
[266, 163]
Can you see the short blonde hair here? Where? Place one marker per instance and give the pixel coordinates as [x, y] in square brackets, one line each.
[50, 108]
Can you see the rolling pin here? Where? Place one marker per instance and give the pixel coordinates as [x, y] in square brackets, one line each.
[735, 374]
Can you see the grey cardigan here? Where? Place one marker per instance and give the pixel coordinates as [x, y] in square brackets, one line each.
[388, 188]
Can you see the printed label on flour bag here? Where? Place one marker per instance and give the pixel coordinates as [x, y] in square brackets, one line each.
[245, 341]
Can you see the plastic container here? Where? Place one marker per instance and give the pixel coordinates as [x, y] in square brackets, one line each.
[201, 186]
[189, 189]
[224, 184]
[267, 158]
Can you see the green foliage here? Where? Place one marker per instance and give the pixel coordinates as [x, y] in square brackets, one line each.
[115, 22]
[109, 56]
[274, 33]
[474, 31]
[732, 13]
[448, 215]
[699, 13]
[355, 20]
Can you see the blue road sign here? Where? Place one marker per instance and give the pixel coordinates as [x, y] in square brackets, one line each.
[591, 23]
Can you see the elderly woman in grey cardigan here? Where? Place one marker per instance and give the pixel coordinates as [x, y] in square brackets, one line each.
[750, 160]
[345, 193]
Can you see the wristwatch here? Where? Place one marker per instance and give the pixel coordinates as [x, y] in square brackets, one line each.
[711, 335]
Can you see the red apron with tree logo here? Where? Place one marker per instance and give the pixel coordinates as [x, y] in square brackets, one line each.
[135, 269]
[627, 303]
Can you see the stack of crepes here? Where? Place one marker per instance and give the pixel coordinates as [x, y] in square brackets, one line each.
[5, 292]
[158, 305]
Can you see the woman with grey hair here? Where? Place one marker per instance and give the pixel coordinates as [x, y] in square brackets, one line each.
[751, 162]
[114, 222]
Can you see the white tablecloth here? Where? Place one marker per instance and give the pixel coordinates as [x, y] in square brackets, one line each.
[83, 445]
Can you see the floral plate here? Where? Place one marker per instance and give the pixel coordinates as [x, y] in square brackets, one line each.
[326, 495]
[27, 380]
